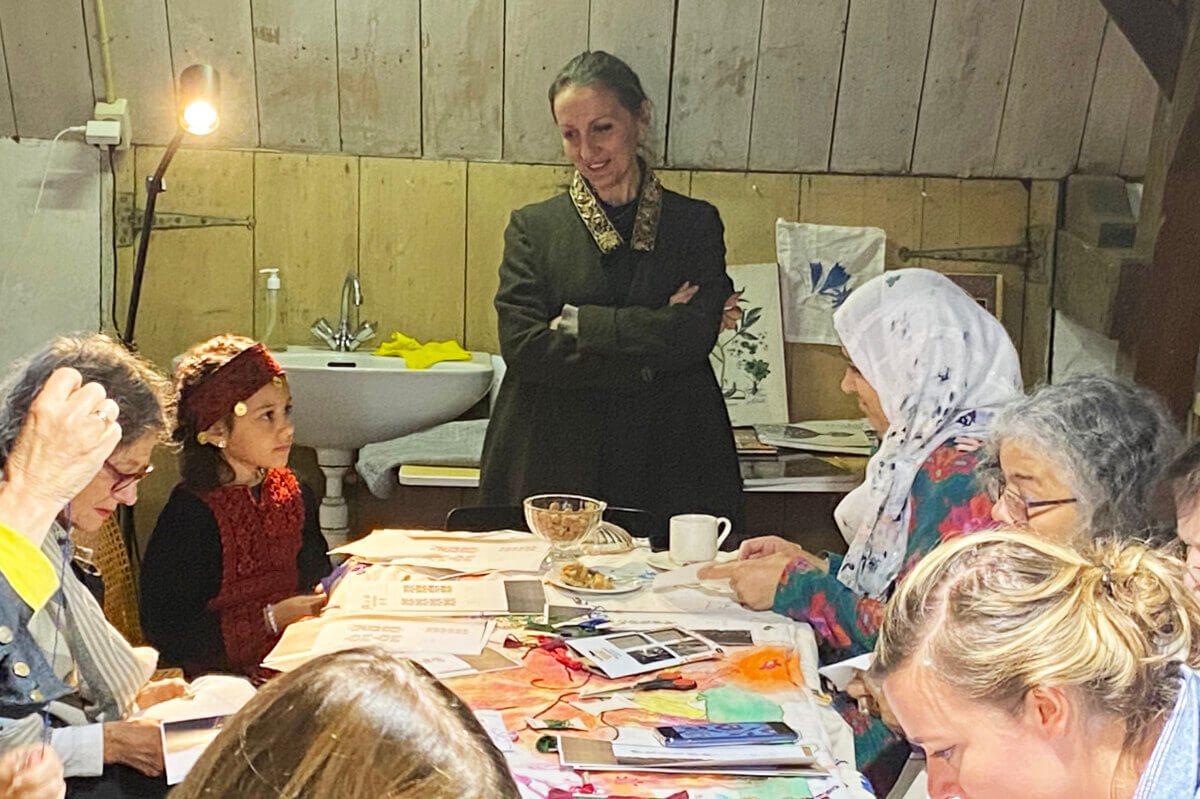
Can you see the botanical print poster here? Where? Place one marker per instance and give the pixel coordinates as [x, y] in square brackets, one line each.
[819, 266]
[749, 360]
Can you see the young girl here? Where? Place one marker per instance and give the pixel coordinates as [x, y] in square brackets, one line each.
[237, 548]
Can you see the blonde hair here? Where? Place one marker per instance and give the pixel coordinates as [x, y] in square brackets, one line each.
[998, 613]
[358, 724]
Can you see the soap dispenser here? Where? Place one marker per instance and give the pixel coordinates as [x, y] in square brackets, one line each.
[271, 329]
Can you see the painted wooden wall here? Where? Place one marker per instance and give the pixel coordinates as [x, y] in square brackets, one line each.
[991, 88]
[426, 236]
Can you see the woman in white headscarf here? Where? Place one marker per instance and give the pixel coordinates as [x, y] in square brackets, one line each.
[929, 368]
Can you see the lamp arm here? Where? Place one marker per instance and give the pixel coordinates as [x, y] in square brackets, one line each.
[154, 187]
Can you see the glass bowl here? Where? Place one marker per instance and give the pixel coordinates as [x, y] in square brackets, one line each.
[564, 520]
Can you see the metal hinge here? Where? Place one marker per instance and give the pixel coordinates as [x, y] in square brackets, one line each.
[1031, 254]
[129, 220]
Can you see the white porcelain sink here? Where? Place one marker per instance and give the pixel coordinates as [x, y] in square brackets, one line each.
[342, 401]
[345, 400]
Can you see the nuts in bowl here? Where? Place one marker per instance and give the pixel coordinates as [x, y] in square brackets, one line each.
[562, 519]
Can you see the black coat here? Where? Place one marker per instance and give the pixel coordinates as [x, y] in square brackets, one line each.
[628, 410]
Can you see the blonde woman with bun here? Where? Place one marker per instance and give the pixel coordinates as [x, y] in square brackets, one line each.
[1026, 669]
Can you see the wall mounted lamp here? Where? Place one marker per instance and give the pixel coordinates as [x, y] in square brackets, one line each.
[199, 103]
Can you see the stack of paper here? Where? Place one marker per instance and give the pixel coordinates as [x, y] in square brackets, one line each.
[448, 648]
[452, 552]
[847, 436]
[638, 749]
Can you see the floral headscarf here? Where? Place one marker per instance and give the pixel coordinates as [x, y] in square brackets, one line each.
[942, 366]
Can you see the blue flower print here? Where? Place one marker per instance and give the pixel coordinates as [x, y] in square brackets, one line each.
[835, 284]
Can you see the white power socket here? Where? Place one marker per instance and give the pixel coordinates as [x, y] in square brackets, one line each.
[117, 111]
[104, 132]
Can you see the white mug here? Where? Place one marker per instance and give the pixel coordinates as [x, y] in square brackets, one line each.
[696, 537]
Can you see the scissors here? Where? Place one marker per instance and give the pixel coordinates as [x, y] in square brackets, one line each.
[666, 681]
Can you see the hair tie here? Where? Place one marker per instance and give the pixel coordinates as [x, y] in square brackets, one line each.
[1106, 578]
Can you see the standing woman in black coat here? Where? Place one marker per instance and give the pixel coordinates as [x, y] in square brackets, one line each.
[611, 297]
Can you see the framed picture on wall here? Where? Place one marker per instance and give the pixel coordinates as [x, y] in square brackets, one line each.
[749, 361]
[986, 288]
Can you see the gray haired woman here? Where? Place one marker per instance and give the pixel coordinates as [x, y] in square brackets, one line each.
[1084, 454]
[76, 666]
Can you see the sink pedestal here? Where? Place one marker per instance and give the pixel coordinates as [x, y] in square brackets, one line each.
[335, 514]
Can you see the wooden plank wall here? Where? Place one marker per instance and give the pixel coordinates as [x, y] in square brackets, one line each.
[379, 76]
[426, 237]
[986, 88]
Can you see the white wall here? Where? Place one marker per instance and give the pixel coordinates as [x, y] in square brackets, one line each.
[50, 263]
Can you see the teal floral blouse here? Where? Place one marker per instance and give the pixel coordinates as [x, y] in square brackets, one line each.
[949, 497]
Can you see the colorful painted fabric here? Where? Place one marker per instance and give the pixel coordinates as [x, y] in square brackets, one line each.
[949, 498]
[941, 366]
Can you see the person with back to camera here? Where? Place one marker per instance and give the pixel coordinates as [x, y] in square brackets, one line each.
[237, 549]
[1025, 668]
[357, 724]
[611, 297]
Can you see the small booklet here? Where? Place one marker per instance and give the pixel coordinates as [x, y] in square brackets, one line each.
[627, 653]
[846, 436]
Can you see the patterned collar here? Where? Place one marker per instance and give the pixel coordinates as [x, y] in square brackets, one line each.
[645, 226]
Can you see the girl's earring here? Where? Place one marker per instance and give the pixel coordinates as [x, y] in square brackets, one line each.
[202, 438]
[220, 445]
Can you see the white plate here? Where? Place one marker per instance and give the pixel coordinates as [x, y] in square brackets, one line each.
[555, 579]
[662, 560]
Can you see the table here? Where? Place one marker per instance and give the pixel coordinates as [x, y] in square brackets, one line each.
[770, 681]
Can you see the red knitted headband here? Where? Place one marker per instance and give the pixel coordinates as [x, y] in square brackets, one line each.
[232, 384]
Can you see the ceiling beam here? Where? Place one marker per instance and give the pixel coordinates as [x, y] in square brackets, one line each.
[1156, 30]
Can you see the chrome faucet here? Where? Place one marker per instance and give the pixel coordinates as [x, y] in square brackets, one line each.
[343, 339]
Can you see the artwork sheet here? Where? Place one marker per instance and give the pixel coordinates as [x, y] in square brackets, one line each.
[820, 265]
[749, 361]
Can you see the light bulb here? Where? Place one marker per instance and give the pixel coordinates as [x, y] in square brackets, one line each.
[200, 118]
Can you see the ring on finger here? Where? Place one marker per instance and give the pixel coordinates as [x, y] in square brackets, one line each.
[101, 415]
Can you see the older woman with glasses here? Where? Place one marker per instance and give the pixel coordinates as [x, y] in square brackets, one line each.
[1084, 454]
[78, 670]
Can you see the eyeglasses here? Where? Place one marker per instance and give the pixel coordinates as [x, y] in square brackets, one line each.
[123, 480]
[1018, 506]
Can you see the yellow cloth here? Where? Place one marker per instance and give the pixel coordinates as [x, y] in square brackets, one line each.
[422, 356]
[26, 568]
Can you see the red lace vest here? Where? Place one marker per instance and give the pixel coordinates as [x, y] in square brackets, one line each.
[260, 540]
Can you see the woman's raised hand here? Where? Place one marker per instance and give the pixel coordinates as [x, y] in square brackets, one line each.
[69, 432]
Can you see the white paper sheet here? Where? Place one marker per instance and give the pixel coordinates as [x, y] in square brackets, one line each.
[493, 725]
[688, 577]
[406, 635]
[505, 553]
[430, 597]
[842, 672]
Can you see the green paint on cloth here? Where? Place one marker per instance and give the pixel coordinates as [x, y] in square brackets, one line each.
[729, 703]
[778, 788]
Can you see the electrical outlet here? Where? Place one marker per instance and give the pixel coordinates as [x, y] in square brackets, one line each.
[103, 132]
[116, 110]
